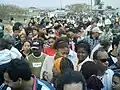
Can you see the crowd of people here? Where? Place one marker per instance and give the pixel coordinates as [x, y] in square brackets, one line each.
[68, 54]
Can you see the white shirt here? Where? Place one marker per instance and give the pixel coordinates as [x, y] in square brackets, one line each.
[78, 66]
[107, 79]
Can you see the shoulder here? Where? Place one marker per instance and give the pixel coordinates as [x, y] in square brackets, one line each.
[45, 85]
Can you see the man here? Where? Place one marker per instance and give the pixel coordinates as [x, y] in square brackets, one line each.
[18, 77]
[71, 81]
[37, 58]
[1, 28]
[16, 37]
[101, 59]
[107, 32]
[93, 39]
[105, 44]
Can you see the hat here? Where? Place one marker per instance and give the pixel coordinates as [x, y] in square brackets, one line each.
[96, 29]
[36, 45]
[107, 22]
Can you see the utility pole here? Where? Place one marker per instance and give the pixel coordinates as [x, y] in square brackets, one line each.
[91, 5]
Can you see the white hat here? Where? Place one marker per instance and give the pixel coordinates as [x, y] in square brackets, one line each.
[96, 29]
[107, 22]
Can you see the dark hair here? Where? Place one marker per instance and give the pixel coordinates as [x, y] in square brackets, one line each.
[116, 41]
[69, 78]
[95, 54]
[61, 43]
[19, 68]
[16, 26]
[90, 70]
[3, 44]
[117, 74]
[1, 20]
[66, 65]
[54, 38]
[85, 45]
[105, 43]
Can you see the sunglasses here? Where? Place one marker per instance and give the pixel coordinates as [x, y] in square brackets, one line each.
[104, 60]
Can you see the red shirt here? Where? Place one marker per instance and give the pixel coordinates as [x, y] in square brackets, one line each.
[49, 51]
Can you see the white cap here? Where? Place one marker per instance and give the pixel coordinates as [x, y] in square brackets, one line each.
[96, 29]
[107, 22]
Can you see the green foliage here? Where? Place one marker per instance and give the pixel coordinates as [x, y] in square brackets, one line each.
[78, 7]
[8, 10]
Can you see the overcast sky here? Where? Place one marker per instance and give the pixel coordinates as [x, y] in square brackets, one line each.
[54, 3]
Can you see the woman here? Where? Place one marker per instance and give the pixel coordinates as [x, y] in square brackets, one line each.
[83, 53]
[26, 49]
[61, 65]
[116, 81]
[50, 50]
[62, 48]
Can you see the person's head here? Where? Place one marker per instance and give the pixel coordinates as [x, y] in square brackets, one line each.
[116, 81]
[3, 44]
[107, 25]
[1, 20]
[101, 58]
[62, 47]
[17, 28]
[17, 74]
[105, 44]
[22, 37]
[26, 45]
[83, 50]
[71, 81]
[9, 41]
[88, 69]
[37, 47]
[96, 32]
[51, 41]
[35, 30]
[61, 66]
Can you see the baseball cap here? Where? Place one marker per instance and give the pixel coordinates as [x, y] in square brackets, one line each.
[36, 44]
[96, 29]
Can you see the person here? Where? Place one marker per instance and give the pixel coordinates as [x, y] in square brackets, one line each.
[63, 50]
[72, 80]
[116, 67]
[90, 71]
[107, 34]
[26, 49]
[115, 48]
[116, 81]
[104, 74]
[16, 37]
[104, 44]
[36, 58]
[83, 53]
[5, 58]
[50, 50]
[61, 66]
[9, 45]
[94, 38]
[1, 28]
[18, 76]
